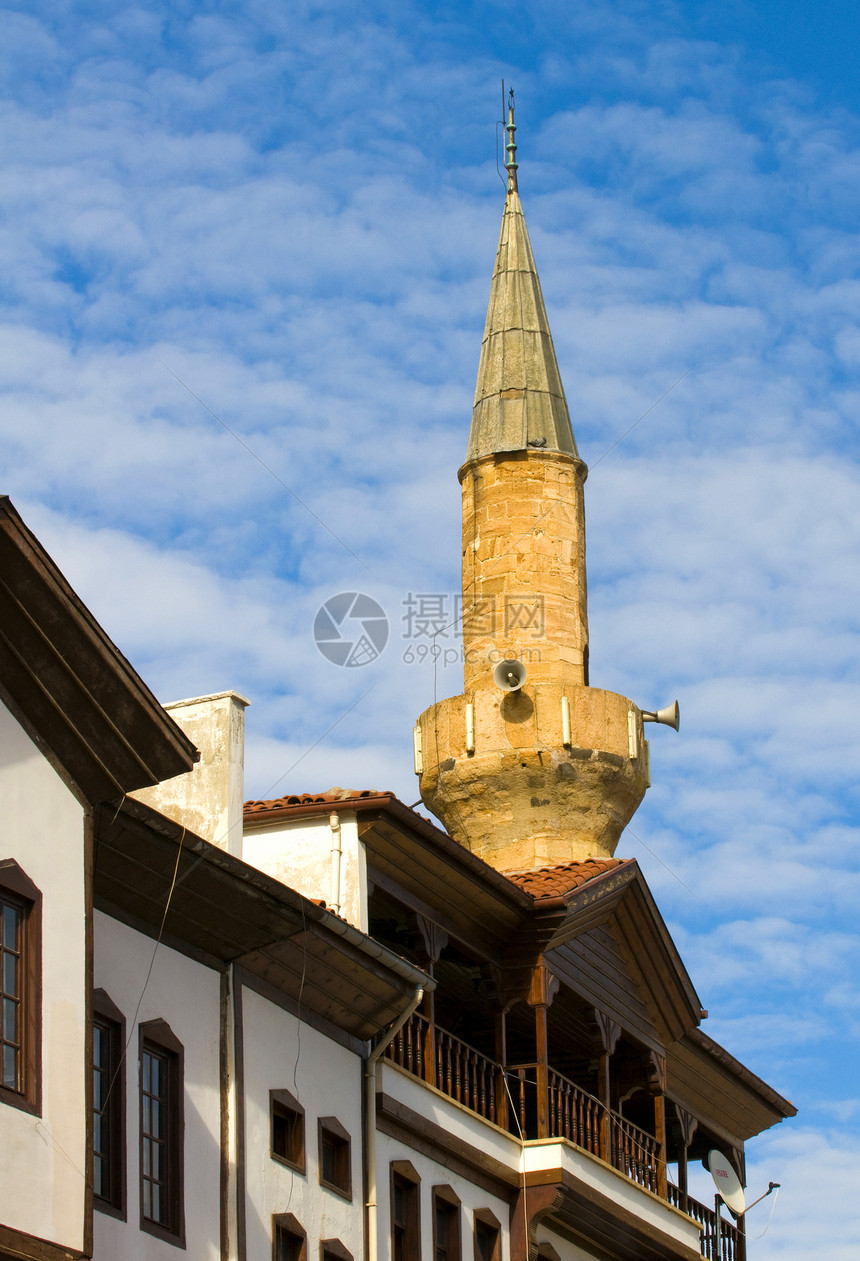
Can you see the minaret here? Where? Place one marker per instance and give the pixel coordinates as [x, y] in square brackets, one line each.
[552, 770]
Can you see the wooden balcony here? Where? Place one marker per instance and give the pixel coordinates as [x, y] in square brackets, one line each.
[732, 1243]
[509, 1097]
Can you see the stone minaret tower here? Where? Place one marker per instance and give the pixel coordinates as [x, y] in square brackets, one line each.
[553, 771]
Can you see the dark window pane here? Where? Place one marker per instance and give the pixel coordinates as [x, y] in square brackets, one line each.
[10, 973]
[11, 922]
[10, 1020]
[10, 1068]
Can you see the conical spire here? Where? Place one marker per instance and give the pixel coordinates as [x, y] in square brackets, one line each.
[519, 399]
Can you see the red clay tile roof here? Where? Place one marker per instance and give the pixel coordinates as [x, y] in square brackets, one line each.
[554, 882]
[547, 882]
[331, 797]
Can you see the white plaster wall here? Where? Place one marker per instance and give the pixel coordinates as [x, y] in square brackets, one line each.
[433, 1173]
[186, 995]
[43, 1160]
[279, 1054]
[458, 1123]
[299, 855]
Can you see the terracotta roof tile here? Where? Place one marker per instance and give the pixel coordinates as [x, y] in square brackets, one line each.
[554, 882]
[546, 882]
[332, 796]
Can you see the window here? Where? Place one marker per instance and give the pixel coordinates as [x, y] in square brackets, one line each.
[333, 1250]
[288, 1129]
[335, 1163]
[20, 989]
[405, 1212]
[108, 1106]
[161, 1132]
[288, 1239]
[488, 1232]
[446, 1225]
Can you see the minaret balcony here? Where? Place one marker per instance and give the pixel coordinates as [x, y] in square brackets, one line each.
[548, 774]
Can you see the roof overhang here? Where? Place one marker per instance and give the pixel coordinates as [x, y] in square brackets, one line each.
[725, 1096]
[427, 869]
[223, 911]
[69, 686]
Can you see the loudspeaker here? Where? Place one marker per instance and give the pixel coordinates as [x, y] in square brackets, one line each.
[669, 716]
[509, 675]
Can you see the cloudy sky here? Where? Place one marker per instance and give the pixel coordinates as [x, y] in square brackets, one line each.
[246, 257]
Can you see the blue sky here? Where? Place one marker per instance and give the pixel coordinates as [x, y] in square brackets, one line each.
[290, 212]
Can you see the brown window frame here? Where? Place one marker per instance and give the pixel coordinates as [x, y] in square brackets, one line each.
[447, 1205]
[157, 1041]
[18, 892]
[333, 1250]
[487, 1221]
[333, 1135]
[109, 1119]
[287, 1116]
[405, 1232]
[286, 1224]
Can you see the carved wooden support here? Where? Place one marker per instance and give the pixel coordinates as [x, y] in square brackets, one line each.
[656, 1073]
[528, 1209]
[543, 988]
[609, 1031]
[657, 1087]
[435, 938]
[688, 1125]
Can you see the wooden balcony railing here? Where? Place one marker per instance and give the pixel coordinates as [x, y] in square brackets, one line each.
[508, 1097]
[456, 1068]
[578, 1116]
[731, 1245]
[407, 1049]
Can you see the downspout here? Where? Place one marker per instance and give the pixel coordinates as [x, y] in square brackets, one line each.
[336, 856]
[384, 1041]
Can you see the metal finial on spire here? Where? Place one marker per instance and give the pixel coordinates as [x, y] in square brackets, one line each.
[511, 146]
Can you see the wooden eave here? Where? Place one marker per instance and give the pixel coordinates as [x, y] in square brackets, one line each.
[724, 1095]
[621, 901]
[425, 869]
[224, 911]
[71, 688]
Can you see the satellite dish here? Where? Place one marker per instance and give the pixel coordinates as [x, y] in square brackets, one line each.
[726, 1181]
